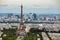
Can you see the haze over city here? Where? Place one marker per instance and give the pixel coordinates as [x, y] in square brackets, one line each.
[29, 19]
[33, 6]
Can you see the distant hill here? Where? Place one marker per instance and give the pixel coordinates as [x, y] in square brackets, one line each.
[6, 14]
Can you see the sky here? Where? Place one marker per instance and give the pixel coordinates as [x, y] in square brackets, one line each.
[30, 6]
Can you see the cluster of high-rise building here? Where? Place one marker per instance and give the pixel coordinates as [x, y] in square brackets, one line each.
[28, 17]
[35, 17]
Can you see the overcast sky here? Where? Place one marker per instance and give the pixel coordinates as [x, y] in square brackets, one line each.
[34, 6]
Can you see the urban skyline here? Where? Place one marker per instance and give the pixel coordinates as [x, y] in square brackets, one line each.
[29, 19]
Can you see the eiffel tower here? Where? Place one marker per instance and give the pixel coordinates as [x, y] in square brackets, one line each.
[21, 28]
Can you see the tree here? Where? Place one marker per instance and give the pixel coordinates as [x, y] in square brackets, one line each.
[10, 34]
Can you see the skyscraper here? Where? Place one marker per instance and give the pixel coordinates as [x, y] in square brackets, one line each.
[10, 14]
[34, 16]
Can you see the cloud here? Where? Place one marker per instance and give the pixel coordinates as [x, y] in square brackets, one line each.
[32, 3]
[45, 6]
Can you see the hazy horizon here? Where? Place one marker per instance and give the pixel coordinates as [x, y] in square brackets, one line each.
[30, 6]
